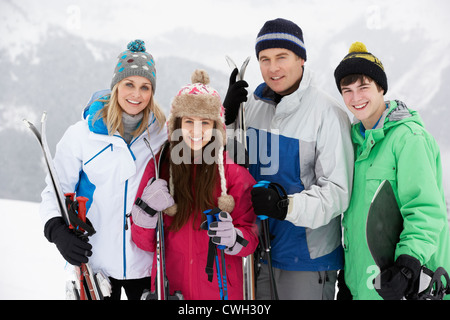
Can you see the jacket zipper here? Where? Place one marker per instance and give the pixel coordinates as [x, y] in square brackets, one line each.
[125, 215]
[125, 227]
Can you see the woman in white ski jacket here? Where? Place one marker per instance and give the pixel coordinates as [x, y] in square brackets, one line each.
[102, 157]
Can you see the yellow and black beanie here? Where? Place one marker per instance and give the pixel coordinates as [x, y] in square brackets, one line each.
[360, 61]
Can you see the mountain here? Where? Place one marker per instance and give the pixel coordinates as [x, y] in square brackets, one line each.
[48, 67]
[59, 78]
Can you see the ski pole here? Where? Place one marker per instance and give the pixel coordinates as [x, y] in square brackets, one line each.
[224, 271]
[248, 267]
[211, 216]
[266, 244]
[162, 283]
[73, 212]
[70, 198]
[78, 207]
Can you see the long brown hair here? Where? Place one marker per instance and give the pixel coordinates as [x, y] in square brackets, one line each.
[194, 184]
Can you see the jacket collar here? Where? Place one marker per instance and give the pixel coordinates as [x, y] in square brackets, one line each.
[397, 113]
[289, 102]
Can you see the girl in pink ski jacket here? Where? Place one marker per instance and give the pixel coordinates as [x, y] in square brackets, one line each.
[195, 175]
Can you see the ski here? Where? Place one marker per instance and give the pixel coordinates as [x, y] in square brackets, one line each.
[248, 264]
[73, 211]
[42, 140]
[161, 281]
[240, 121]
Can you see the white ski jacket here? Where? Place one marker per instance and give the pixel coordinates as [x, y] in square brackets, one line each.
[304, 144]
[107, 171]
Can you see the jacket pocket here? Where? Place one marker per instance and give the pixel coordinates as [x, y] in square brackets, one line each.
[381, 173]
[375, 175]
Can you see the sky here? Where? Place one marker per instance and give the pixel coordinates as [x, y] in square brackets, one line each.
[119, 21]
[227, 18]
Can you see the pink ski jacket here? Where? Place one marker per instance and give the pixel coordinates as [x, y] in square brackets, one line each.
[186, 250]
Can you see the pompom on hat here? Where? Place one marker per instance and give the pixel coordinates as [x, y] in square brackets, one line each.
[360, 61]
[135, 61]
[200, 100]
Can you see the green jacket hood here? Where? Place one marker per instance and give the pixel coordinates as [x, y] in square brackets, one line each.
[395, 114]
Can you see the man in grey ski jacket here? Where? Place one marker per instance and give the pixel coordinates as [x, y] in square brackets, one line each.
[298, 137]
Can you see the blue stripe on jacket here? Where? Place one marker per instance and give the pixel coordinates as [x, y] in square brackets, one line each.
[278, 155]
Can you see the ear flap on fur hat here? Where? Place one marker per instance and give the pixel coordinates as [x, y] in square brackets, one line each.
[225, 202]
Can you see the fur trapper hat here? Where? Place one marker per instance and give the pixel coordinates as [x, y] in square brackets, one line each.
[201, 100]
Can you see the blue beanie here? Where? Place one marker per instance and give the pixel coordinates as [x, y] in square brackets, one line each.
[281, 33]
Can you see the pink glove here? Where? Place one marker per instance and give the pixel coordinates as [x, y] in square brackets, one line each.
[224, 233]
[156, 196]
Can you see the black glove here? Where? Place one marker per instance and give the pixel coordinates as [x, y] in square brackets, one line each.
[74, 249]
[236, 94]
[269, 202]
[399, 280]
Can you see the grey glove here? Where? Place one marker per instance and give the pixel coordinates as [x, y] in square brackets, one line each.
[154, 198]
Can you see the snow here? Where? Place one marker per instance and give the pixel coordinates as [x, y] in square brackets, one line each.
[31, 267]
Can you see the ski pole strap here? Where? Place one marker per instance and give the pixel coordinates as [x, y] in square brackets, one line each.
[284, 201]
[210, 260]
[243, 242]
[212, 251]
[212, 247]
[77, 214]
[144, 206]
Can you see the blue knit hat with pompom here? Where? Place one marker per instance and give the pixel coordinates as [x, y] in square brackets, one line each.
[135, 61]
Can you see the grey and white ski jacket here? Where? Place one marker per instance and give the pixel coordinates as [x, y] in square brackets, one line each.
[106, 170]
[304, 144]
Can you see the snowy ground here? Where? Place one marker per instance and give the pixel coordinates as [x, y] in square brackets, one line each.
[31, 267]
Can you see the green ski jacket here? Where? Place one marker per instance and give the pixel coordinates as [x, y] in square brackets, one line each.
[400, 150]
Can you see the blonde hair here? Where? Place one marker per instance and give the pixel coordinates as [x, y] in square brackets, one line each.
[112, 113]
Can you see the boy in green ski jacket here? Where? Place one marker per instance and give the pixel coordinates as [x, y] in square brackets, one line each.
[392, 144]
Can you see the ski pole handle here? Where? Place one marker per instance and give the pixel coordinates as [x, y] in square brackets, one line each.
[211, 216]
[221, 247]
[263, 184]
[78, 206]
[70, 197]
[82, 208]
